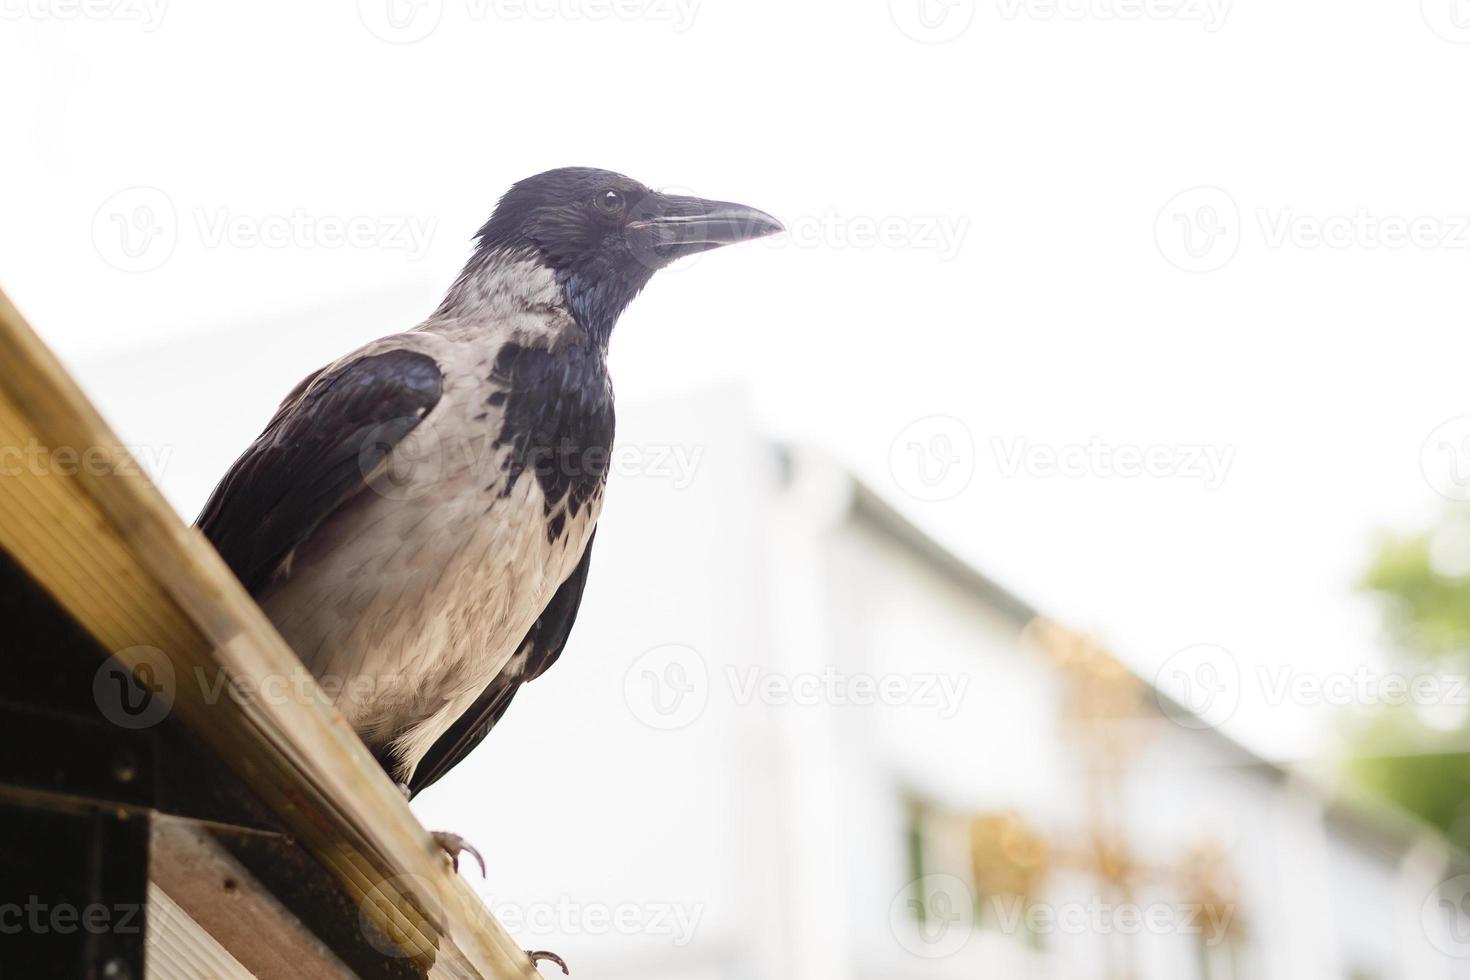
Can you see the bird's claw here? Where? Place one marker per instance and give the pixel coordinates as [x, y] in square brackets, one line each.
[537, 955]
[455, 845]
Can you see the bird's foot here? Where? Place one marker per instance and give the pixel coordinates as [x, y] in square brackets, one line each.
[403, 788]
[537, 955]
[455, 845]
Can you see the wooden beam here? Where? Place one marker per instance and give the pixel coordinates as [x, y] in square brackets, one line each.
[180, 949]
[80, 515]
[215, 909]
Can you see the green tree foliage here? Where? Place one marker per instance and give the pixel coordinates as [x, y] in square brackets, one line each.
[1418, 754]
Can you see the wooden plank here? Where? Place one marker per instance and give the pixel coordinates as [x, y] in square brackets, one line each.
[180, 949]
[228, 908]
[95, 532]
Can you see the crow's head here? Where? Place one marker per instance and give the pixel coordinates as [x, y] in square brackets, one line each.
[605, 235]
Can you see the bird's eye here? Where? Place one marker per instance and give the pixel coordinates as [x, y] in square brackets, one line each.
[609, 202]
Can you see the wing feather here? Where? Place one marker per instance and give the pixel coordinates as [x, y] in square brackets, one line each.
[326, 444]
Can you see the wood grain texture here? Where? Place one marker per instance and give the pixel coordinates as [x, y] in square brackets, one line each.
[215, 894]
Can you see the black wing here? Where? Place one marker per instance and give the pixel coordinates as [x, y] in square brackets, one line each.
[328, 441]
[542, 645]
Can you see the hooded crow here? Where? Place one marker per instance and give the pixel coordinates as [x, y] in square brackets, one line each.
[417, 518]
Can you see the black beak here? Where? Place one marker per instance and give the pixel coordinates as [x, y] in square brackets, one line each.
[672, 226]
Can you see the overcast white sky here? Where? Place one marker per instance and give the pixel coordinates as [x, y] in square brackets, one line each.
[989, 229]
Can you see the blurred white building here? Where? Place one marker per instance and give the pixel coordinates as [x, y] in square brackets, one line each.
[794, 737]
